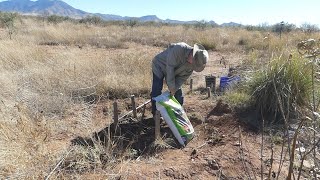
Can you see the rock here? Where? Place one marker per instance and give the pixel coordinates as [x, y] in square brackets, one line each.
[307, 164]
[291, 134]
[175, 174]
[301, 149]
[194, 152]
[213, 164]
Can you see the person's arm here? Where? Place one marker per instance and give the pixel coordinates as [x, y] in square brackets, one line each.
[182, 79]
[172, 63]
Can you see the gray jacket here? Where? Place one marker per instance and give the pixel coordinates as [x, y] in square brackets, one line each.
[172, 64]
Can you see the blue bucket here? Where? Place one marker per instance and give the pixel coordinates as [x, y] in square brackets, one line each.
[227, 82]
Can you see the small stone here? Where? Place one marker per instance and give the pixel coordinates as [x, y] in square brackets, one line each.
[308, 164]
[213, 164]
[301, 149]
[194, 152]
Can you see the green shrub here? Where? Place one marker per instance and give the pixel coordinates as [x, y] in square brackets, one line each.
[238, 99]
[201, 25]
[207, 44]
[132, 22]
[96, 20]
[289, 78]
[7, 20]
[56, 19]
[283, 27]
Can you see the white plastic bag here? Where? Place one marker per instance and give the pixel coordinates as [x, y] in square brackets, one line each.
[175, 116]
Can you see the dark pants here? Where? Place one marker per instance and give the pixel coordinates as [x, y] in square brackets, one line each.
[157, 86]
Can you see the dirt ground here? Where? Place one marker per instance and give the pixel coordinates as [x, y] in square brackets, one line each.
[223, 147]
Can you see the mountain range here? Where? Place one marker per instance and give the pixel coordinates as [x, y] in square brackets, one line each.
[60, 8]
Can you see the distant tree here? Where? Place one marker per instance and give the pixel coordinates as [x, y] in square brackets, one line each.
[132, 22]
[283, 27]
[260, 27]
[250, 28]
[264, 27]
[92, 20]
[201, 24]
[55, 19]
[45, 14]
[309, 28]
[7, 20]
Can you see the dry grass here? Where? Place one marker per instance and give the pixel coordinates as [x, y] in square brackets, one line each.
[48, 89]
[51, 75]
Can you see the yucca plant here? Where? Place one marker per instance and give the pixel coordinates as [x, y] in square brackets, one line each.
[283, 78]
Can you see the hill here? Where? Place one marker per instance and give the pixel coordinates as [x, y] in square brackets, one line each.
[60, 8]
[42, 7]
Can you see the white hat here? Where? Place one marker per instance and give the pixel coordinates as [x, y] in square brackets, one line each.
[200, 57]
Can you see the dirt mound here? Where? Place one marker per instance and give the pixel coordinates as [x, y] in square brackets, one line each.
[220, 109]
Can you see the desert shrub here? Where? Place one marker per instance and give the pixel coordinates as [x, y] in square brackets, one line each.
[284, 78]
[208, 45]
[262, 27]
[7, 20]
[132, 22]
[201, 25]
[309, 28]
[96, 20]
[283, 27]
[56, 19]
[242, 42]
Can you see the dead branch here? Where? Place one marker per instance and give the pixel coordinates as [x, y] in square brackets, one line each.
[58, 164]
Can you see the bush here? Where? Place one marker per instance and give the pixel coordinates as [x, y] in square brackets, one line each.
[238, 100]
[286, 77]
[92, 20]
[208, 44]
[7, 20]
[309, 28]
[260, 27]
[283, 27]
[201, 25]
[132, 22]
[56, 19]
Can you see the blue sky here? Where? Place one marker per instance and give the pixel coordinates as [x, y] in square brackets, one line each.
[221, 11]
[241, 11]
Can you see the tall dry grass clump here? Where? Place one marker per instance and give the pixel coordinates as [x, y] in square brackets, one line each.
[284, 75]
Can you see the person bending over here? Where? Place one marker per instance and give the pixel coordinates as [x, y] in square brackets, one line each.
[175, 64]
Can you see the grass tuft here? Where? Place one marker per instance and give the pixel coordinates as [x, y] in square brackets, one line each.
[289, 77]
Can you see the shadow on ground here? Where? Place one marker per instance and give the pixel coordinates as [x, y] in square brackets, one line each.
[136, 136]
